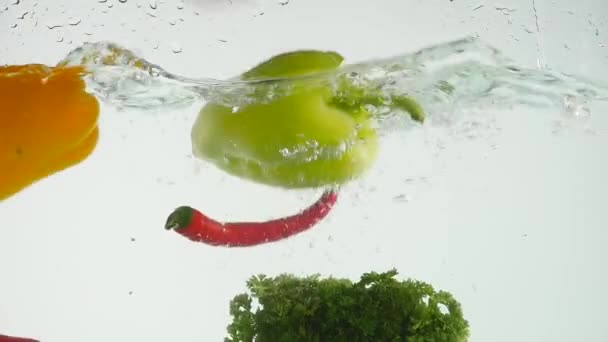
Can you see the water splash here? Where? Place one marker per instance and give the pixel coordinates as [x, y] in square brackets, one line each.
[462, 73]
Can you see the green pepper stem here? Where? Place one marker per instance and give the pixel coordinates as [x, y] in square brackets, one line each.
[409, 105]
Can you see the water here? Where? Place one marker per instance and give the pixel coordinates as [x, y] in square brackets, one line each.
[523, 229]
[464, 73]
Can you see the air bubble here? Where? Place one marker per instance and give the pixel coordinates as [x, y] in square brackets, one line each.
[573, 107]
[154, 72]
[403, 198]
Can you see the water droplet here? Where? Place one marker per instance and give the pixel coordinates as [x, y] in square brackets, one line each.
[74, 22]
[529, 29]
[16, 2]
[602, 45]
[53, 25]
[443, 309]
[122, 1]
[110, 5]
[176, 48]
[152, 4]
[102, 1]
[59, 39]
[13, 25]
[504, 9]
[172, 22]
[180, 5]
[22, 16]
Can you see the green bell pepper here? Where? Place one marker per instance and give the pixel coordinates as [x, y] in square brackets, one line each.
[314, 136]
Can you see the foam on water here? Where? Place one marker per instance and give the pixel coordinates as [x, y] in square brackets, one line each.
[464, 73]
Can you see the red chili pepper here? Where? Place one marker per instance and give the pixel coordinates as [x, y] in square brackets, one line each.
[5, 338]
[197, 227]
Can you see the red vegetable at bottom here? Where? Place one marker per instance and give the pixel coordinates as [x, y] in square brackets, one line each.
[197, 227]
[5, 338]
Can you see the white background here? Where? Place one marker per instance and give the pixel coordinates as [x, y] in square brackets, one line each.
[512, 221]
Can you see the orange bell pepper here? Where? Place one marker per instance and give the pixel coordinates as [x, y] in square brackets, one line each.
[48, 123]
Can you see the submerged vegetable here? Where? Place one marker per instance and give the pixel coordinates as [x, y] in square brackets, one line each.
[197, 227]
[314, 136]
[376, 308]
[48, 122]
[5, 338]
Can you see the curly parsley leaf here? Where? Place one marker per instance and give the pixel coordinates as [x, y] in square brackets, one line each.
[376, 308]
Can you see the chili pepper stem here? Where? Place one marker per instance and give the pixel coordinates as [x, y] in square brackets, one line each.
[180, 218]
